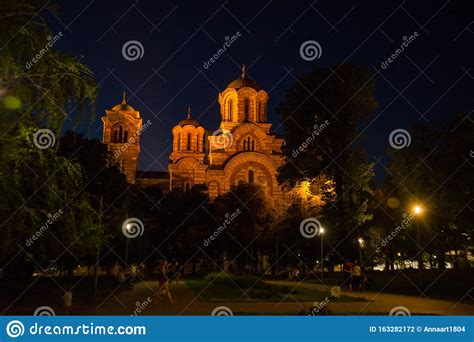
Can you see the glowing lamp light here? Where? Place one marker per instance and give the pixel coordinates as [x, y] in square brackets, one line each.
[417, 210]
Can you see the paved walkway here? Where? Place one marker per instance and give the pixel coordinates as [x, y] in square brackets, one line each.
[186, 303]
[380, 303]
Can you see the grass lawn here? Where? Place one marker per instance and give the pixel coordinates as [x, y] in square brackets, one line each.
[231, 288]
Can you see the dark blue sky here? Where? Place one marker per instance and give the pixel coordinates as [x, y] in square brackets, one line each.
[179, 36]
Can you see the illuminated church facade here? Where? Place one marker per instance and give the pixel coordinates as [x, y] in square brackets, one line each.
[241, 150]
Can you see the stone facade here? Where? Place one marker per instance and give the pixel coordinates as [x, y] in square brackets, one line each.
[242, 150]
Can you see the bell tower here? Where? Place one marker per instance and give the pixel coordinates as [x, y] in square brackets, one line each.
[121, 134]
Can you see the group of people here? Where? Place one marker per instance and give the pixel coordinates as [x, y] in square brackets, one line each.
[354, 277]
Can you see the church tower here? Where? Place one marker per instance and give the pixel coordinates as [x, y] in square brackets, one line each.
[121, 134]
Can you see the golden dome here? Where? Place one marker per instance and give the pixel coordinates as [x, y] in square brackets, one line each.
[123, 106]
[189, 120]
[243, 82]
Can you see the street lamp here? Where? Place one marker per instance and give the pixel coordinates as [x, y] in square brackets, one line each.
[128, 227]
[418, 211]
[321, 232]
[361, 244]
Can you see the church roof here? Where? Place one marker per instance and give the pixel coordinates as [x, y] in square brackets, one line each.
[123, 106]
[189, 120]
[243, 82]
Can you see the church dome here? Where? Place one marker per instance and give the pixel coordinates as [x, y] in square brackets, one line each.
[189, 121]
[123, 106]
[243, 82]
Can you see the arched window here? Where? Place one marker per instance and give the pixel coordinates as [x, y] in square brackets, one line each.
[119, 135]
[251, 177]
[246, 108]
[249, 144]
[115, 136]
[229, 117]
[179, 142]
[259, 110]
[125, 136]
[189, 141]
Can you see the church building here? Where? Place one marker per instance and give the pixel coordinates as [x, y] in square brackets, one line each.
[241, 150]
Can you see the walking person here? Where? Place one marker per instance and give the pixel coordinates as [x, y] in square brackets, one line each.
[357, 277]
[164, 279]
[348, 278]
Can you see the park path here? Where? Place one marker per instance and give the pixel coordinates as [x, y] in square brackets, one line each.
[380, 303]
[187, 303]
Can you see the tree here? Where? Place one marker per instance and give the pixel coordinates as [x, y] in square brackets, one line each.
[327, 108]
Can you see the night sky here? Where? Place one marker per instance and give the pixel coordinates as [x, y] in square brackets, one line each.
[178, 37]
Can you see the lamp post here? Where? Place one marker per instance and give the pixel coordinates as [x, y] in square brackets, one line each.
[361, 244]
[321, 232]
[128, 226]
[418, 211]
